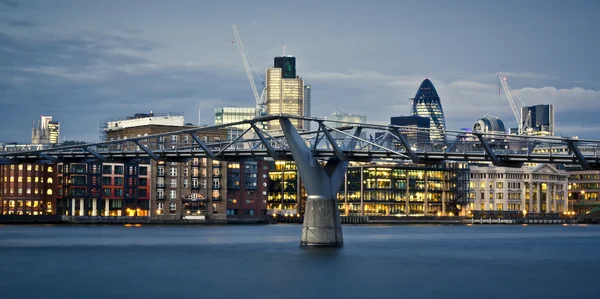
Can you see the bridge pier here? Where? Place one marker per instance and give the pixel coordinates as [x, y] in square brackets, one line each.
[322, 226]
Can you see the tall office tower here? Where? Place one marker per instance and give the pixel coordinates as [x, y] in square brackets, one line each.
[427, 103]
[285, 92]
[538, 119]
[45, 131]
[307, 106]
[414, 137]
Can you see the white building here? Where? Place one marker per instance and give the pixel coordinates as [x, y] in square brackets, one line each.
[540, 189]
[146, 119]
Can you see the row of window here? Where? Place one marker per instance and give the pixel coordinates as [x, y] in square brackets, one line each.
[19, 191]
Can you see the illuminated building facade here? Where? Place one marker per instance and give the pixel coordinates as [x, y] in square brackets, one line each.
[427, 103]
[285, 92]
[584, 190]
[380, 189]
[28, 189]
[506, 190]
[285, 194]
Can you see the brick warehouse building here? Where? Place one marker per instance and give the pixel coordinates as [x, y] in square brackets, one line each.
[28, 189]
[197, 188]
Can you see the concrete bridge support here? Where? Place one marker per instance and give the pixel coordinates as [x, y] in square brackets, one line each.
[321, 225]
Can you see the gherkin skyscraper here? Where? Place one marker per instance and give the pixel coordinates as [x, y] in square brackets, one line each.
[426, 103]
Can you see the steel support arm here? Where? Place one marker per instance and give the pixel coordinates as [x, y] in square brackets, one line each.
[336, 148]
[270, 150]
[47, 157]
[145, 149]
[95, 154]
[582, 161]
[203, 145]
[490, 152]
[233, 141]
[413, 156]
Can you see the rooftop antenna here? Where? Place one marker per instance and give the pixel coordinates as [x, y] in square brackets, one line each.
[283, 51]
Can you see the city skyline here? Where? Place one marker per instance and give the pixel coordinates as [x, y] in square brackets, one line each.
[83, 67]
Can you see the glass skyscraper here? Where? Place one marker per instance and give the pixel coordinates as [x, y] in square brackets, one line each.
[285, 92]
[426, 103]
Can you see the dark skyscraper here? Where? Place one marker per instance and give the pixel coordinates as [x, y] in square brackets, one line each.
[538, 119]
[287, 64]
[414, 138]
[427, 103]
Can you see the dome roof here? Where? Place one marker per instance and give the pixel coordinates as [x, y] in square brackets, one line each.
[488, 124]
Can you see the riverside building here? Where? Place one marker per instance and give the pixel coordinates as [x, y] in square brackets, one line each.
[193, 189]
[584, 190]
[28, 189]
[380, 189]
[512, 191]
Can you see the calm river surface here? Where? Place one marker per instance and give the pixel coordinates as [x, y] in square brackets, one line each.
[490, 261]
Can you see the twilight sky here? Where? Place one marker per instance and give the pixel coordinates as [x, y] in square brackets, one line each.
[85, 61]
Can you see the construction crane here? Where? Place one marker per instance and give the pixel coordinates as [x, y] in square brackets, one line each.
[260, 99]
[521, 124]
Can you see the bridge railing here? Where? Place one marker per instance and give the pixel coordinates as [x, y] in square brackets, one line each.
[367, 140]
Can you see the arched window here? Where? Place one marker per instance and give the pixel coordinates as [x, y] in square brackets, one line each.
[50, 169]
[50, 181]
[49, 192]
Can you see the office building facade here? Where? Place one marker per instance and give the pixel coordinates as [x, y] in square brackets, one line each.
[334, 119]
[380, 189]
[584, 190]
[284, 92]
[227, 115]
[427, 103]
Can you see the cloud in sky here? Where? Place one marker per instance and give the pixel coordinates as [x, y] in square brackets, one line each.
[84, 62]
[10, 3]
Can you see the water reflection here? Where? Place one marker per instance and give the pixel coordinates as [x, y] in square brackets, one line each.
[267, 261]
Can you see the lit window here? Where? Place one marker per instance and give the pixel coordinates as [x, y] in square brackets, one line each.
[49, 192]
[50, 181]
[49, 169]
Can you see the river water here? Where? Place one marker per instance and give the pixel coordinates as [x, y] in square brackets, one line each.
[485, 261]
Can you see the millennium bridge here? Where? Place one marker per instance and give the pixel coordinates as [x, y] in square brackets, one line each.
[322, 155]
